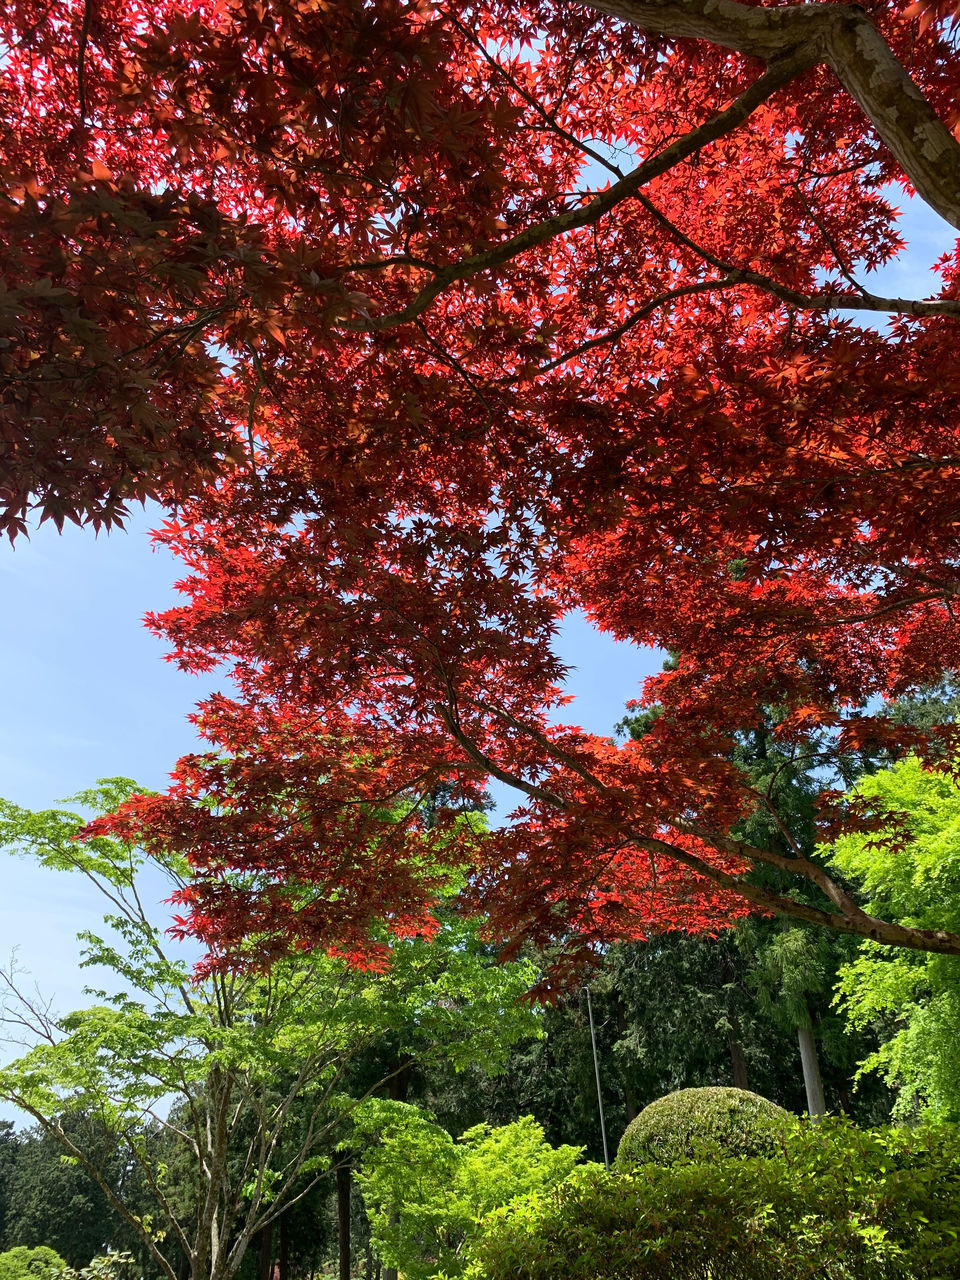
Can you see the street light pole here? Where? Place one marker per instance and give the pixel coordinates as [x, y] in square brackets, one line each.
[596, 1069]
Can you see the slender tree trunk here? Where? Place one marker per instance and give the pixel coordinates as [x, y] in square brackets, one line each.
[398, 1085]
[810, 1062]
[630, 1103]
[284, 1249]
[629, 1098]
[265, 1254]
[738, 1062]
[343, 1218]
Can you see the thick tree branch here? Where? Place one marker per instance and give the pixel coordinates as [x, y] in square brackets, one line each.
[842, 37]
[861, 925]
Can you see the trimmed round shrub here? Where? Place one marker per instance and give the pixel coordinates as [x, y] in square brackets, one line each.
[694, 1124]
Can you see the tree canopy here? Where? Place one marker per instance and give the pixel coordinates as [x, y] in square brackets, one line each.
[429, 323]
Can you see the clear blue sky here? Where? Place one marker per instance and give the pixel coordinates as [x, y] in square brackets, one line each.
[87, 693]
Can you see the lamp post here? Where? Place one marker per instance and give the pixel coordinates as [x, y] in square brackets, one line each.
[596, 1070]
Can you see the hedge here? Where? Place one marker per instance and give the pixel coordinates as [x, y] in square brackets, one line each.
[837, 1204]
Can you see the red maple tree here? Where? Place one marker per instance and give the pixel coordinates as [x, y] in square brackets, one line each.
[429, 323]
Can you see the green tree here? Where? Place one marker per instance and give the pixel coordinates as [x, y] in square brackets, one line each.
[424, 1192]
[255, 1061]
[909, 868]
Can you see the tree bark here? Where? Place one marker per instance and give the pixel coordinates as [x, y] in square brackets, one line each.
[284, 1249]
[629, 1099]
[343, 1218]
[398, 1086]
[810, 1062]
[631, 1110]
[842, 37]
[265, 1253]
[738, 1062]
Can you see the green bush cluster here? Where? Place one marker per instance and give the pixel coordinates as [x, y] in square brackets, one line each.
[693, 1123]
[22, 1263]
[836, 1203]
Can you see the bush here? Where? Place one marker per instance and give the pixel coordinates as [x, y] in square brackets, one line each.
[837, 1204]
[107, 1266]
[696, 1123]
[22, 1263]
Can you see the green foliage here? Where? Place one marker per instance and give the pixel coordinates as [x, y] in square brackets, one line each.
[21, 1263]
[111, 1266]
[246, 1075]
[9, 1153]
[686, 1124]
[911, 998]
[837, 1203]
[423, 1191]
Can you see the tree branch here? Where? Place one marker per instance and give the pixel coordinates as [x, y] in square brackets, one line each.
[842, 37]
[778, 74]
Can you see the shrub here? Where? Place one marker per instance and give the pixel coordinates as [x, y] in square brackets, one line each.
[423, 1192]
[695, 1123]
[836, 1204]
[22, 1263]
[108, 1266]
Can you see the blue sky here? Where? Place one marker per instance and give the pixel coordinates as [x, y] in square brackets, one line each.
[87, 693]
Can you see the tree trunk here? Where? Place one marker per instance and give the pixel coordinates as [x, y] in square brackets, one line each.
[630, 1104]
[284, 1249]
[398, 1086]
[629, 1098]
[265, 1254]
[390, 1273]
[343, 1218]
[811, 1073]
[738, 1062]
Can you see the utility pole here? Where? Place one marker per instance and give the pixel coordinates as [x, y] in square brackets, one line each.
[596, 1070]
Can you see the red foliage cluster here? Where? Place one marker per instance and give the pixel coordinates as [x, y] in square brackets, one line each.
[475, 317]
